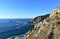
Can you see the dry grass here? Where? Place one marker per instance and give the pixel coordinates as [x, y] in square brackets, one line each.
[50, 29]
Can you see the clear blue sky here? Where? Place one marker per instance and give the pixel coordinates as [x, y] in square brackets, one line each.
[26, 8]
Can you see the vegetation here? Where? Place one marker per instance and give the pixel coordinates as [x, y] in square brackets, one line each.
[50, 28]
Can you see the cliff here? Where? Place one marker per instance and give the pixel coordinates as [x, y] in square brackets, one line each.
[37, 19]
[48, 29]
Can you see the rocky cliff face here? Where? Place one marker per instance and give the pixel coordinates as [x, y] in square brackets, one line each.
[36, 20]
[48, 29]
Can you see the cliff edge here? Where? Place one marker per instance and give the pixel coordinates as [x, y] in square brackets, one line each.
[48, 29]
[37, 19]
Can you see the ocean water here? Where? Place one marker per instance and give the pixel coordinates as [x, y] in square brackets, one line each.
[11, 28]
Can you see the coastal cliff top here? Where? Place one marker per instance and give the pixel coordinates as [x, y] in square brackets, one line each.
[48, 29]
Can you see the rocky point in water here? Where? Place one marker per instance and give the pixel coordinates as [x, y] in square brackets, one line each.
[37, 19]
[48, 29]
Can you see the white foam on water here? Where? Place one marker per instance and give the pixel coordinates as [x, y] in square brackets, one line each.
[17, 37]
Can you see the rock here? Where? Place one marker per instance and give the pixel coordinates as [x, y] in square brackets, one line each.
[36, 20]
[48, 29]
[55, 11]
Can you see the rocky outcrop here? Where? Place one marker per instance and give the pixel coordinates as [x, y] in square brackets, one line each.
[48, 29]
[37, 19]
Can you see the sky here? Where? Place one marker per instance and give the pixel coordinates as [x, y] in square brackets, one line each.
[26, 8]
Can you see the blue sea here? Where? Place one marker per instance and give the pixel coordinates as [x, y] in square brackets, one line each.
[14, 27]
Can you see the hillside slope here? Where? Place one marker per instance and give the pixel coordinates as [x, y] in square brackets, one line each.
[37, 19]
[48, 29]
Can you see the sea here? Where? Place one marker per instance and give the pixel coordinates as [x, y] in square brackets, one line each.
[14, 28]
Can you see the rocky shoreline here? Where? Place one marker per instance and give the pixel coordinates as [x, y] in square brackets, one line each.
[46, 27]
[37, 19]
